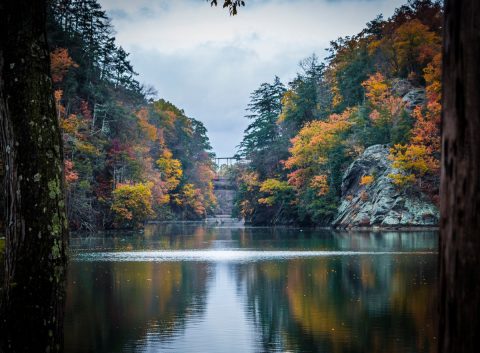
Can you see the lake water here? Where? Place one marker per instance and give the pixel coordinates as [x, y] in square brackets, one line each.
[192, 288]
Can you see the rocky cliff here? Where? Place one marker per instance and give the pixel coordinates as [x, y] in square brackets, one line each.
[380, 203]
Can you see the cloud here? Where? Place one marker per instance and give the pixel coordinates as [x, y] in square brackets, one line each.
[207, 62]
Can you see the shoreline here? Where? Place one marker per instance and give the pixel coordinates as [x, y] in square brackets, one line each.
[374, 229]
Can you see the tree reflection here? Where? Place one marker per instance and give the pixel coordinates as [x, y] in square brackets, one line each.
[344, 304]
[111, 305]
[347, 303]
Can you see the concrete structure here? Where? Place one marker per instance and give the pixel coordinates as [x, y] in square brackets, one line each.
[225, 192]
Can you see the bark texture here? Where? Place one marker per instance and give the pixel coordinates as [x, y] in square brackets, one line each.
[460, 180]
[35, 221]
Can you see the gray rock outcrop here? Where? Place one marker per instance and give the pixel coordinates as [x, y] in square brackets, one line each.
[412, 96]
[400, 87]
[415, 97]
[380, 203]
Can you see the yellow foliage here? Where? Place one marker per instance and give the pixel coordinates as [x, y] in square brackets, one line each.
[170, 169]
[85, 147]
[132, 203]
[250, 179]
[164, 199]
[191, 198]
[288, 105]
[410, 157]
[274, 188]
[274, 185]
[377, 89]
[314, 141]
[269, 200]
[403, 179]
[413, 161]
[70, 125]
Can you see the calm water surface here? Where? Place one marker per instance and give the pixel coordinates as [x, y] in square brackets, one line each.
[191, 288]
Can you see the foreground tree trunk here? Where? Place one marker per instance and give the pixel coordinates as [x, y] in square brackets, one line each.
[460, 180]
[31, 147]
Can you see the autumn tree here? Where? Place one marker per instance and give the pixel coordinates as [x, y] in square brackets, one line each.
[132, 204]
[418, 161]
[415, 46]
[366, 77]
[387, 116]
[316, 164]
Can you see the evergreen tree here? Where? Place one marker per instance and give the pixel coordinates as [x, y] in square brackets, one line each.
[262, 135]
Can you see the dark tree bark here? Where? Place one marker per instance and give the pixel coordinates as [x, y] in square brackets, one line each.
[460, 180]
[31, 147]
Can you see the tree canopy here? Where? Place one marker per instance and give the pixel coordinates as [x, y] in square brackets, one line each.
[380, 86]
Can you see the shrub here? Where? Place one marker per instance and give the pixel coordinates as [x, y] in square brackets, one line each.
[132, 204]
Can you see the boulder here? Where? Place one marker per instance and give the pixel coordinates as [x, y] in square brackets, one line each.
[380, 203]
[400, 87]
[413, 98]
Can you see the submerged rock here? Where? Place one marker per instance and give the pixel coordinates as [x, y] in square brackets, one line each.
[380, 203]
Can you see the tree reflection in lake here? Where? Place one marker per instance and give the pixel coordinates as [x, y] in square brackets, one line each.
[340, 303]
[111, 305]
[343, 304]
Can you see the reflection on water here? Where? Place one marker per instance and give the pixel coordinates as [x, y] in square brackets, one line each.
[189, 288]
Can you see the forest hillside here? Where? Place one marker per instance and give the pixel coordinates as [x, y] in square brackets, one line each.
[381, 87]
[128, 157]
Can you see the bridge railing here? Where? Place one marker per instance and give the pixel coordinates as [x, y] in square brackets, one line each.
[224, 164]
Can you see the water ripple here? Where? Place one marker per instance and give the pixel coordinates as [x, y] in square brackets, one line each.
[224, 255]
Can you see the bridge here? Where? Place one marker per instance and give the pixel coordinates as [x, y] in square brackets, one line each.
[223, 164]
[225, 191]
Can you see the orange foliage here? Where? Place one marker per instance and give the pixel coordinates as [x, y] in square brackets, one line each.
[297, 178]
[386, 108]
[415, 44]
[148, 129]
[422, 155]
[60, 63]
[205, 173]
[315, 139]
[170, 169]
[58, 102]
[70, 175]
[311, 148]
[320, 184]
[426, 131]
[366, 180]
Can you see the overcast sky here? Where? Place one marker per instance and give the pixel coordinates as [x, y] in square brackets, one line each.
[208, 63]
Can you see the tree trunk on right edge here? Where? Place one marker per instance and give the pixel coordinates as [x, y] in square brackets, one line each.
[460, 180]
